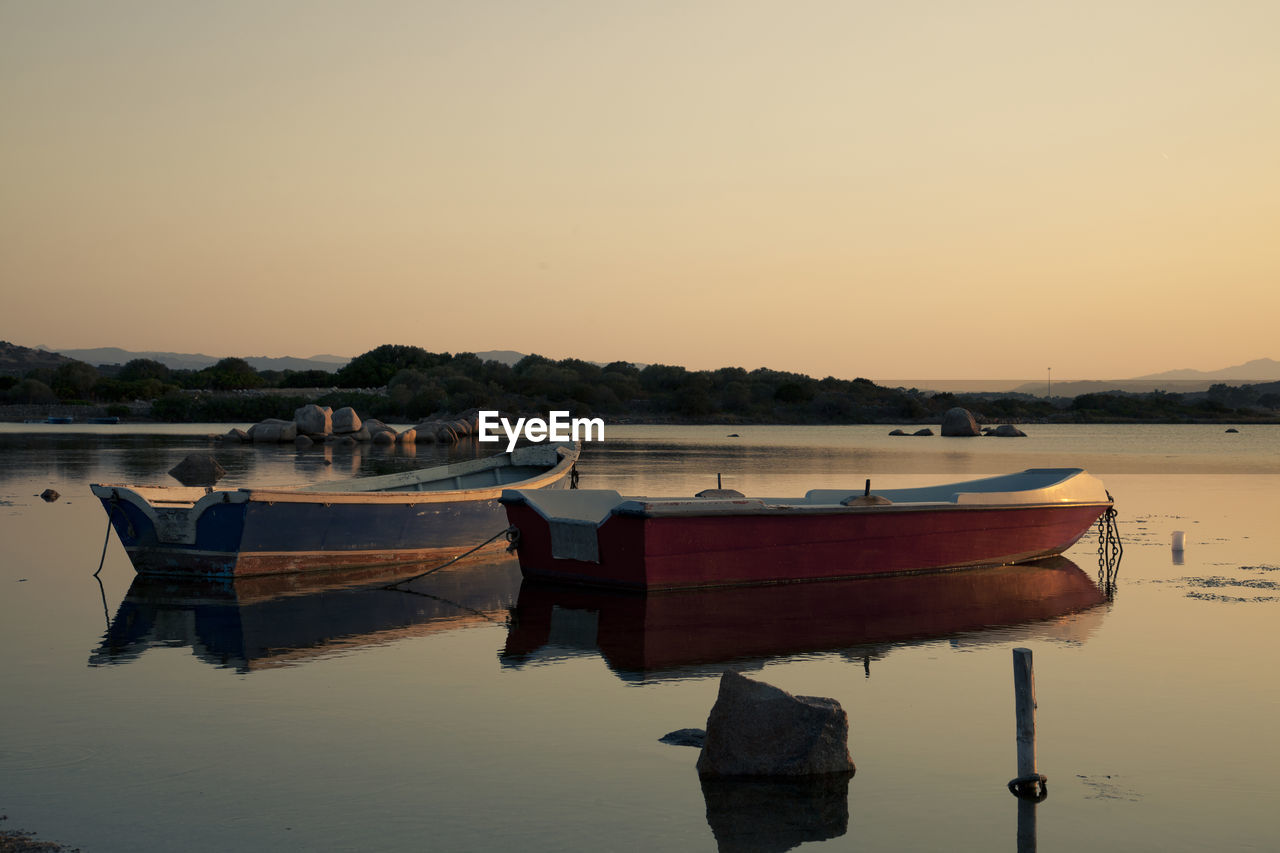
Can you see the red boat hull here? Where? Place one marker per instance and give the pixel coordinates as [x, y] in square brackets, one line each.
[673, 552]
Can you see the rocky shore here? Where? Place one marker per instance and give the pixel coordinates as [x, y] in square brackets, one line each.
[314, 424]
[22, 841]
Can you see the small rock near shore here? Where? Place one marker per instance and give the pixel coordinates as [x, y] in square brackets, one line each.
[273, 431]
[685, 737]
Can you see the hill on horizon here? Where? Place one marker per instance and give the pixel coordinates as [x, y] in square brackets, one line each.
[16, 358]
[1183, 381]
[198, 361]
[1260, 369]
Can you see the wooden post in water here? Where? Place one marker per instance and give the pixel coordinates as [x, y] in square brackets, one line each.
[1024, 699]
[1026, 825]
[1029, 782]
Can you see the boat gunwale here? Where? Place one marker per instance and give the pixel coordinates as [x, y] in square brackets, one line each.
[154, 497]
[635, 509]
[1043, 492]
[409, 496]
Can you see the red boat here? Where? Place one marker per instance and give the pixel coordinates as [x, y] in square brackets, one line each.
[722, 538]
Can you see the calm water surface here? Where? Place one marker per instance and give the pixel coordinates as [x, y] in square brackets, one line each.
[471, 713]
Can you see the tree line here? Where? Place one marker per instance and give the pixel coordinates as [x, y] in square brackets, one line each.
[409, 383]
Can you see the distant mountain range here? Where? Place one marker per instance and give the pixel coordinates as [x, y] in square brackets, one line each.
[1258, 370]
[16, 359]
[199, 361]
[1184, 381]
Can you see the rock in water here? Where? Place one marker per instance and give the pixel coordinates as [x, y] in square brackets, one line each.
[959, 422]
[345, 420]
[756, 729]
[198, 469]
[313, 420]
[1008, 431]
[377, 428]
[49, 495]
[685, 737]
[273, 431]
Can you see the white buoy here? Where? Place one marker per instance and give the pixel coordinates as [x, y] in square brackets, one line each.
[1178, 540]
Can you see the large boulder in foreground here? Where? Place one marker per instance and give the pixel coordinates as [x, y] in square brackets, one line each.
[959, 422]
[756, 729]
[197, 469]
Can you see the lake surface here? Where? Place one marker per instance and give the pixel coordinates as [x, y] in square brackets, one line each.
[471, 712]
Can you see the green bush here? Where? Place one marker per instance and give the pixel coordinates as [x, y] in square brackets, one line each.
[174, 408]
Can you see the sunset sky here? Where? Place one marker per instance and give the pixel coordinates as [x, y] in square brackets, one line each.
[887, 190]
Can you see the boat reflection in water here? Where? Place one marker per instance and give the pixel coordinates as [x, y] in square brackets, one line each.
[693, 633]
[261, 622]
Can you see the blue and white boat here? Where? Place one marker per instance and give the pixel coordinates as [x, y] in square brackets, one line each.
[407, 517]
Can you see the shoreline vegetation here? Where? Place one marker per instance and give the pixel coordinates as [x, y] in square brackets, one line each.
[407, 384]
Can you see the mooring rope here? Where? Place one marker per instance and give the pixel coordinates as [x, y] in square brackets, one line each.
[110, 511]
[1034, 788]
[447, 563]
[102, 561]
